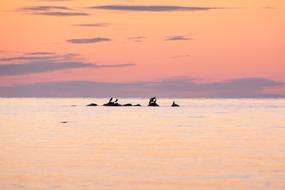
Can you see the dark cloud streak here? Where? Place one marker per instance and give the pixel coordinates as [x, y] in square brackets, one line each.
[39, 62]
[25, 58]
[41, 67]
[62, 14]
[44, 8]
[60, 11]
[93, 25]
[177, 38]
[38, 67]
[88, 40]
[180, 87]
[137, 38]
[40, 53]
[152, 8]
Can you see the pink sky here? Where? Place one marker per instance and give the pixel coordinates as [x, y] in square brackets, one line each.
[130, 41]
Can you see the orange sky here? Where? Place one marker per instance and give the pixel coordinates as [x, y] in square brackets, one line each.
[239, 39]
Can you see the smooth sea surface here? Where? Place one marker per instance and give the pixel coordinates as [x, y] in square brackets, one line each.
[206, 144]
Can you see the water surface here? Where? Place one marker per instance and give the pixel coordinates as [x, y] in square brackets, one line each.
[223, 144]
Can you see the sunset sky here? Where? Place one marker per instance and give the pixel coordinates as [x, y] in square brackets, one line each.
[187, 48]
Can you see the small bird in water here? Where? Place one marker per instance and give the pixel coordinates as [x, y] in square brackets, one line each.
[152, 102]
[110, 103]
[174, 104]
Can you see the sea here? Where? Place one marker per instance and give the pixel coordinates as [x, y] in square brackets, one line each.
[205, 144]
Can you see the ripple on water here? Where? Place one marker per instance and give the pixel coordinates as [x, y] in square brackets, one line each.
[278, 127]
[198, 116]
[237, 177]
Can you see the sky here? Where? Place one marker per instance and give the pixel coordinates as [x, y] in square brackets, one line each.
[139, 48]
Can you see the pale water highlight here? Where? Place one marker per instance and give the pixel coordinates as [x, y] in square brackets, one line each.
[206, 144]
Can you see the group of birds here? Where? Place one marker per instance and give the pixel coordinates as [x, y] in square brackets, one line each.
[112, 102]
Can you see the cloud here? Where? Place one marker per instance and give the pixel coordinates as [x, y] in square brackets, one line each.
[23, 58]
[63, 14]
[37, 63]
[39, 56]
[71, 55]
[116, 65]
[41, 67]
[88, 40]
[178, 87]
[137, 38]
[152, 8]
[238, 88]
[60, 11]
[177, 38]
[38, 67]
[93, 25]
[44, 8]
[40, 53]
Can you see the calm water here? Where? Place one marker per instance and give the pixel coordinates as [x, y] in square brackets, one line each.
[47, 144]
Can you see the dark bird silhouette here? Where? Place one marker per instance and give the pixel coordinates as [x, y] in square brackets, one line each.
[174, 104]
[110, 103]
[152, 99]
[152, 102]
